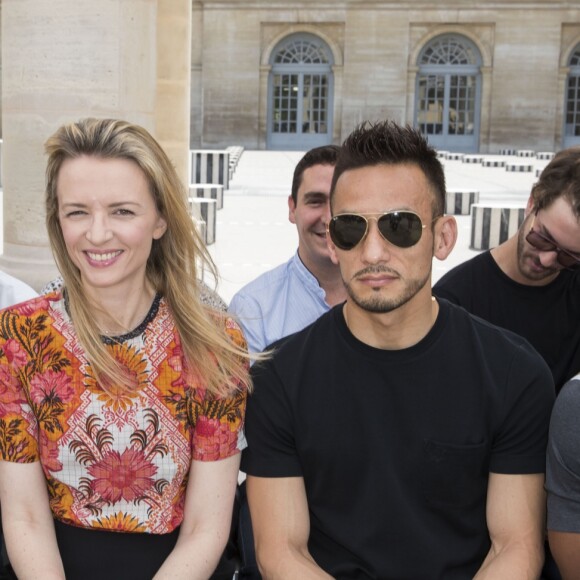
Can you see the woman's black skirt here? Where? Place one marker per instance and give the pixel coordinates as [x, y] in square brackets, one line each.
[89, 554]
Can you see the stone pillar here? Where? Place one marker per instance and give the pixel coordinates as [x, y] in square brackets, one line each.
[174, 81]
[196, 106]
[67, 59]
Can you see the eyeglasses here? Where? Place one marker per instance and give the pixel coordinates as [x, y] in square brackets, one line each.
[565, 258]
[401, 228]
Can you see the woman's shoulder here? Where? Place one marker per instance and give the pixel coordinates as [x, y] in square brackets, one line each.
[34, 306]
[232, 329]
[32, 320]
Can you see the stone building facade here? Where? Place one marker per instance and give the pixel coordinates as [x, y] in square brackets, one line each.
[67, 59]
[474, 75]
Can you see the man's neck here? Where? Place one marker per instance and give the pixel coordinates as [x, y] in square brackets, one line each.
[333, 286]
[395, 330]
[506, 257]
[328, 277]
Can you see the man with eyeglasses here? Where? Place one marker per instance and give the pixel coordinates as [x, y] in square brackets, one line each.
[294, 294]
[530, 284]
[397, 436]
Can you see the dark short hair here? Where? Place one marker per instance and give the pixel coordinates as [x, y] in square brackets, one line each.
[325, 155]
[387, 143]
[560, 178]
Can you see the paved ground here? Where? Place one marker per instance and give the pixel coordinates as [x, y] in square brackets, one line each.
[253, 233]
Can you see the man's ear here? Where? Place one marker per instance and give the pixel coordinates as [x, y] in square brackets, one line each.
[445, 236]
[291, 210]
[331, 249]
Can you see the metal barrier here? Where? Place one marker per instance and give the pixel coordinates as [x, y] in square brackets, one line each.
[493, 225]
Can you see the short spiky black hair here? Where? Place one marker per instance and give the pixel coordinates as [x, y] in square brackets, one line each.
[387, 143]
[324, 155]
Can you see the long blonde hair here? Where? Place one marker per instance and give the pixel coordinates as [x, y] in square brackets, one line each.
[173, 264]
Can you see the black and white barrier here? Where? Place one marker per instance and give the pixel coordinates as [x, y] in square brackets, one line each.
[235, 152]
[472, 158]
[493, 225]
[204, 213]
[519, 167]
[493, 163]
[451, 156]
[208, 191]
[459, 201]
[545, 155]
[209, 166]
[525, 153]
[507, 151]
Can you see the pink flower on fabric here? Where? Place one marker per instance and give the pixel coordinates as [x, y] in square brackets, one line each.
[214, 440]
[32, 306]
[206, 427]
[50, 384]
[10, 394]
[125, 476]
[49, 453]
[14, 352]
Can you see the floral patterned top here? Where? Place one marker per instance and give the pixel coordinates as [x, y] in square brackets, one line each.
[115, 461]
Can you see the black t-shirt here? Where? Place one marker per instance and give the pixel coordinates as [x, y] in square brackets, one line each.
[547, 316]
[395, 447]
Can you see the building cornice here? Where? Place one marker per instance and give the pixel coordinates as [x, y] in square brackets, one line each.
[478, 5]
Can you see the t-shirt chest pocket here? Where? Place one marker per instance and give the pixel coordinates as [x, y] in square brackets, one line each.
[454, 475]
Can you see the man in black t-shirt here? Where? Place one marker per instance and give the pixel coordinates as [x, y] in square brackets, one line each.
[397, 437]
[530, 284]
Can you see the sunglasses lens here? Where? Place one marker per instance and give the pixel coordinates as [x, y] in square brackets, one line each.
[568, 261]
[565, 259]
[401, 228]
[347, 230]
[539, 242]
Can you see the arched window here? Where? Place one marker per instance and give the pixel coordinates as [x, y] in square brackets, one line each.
[447, 105]
[300, 93]
[572, 121]
[449, 50]
[302, 51]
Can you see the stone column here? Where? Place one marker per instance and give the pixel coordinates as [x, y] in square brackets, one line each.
[196, 106]
[64, 60]
[174, 81]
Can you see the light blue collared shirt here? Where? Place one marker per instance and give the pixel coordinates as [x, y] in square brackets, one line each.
[278, 303]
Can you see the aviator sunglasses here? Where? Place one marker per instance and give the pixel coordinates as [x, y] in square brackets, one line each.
[565, 258]
[401, 228]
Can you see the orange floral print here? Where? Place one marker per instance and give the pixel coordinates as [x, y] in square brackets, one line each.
[116, 460]
[10, 395]
[50, 386]
[121, 522]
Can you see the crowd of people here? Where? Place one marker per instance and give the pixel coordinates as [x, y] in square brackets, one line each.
[387, 428]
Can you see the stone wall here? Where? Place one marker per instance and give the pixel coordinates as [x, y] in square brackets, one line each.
[524, 46]
[376, 45]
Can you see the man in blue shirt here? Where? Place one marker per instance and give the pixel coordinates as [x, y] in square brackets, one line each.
[294, 294]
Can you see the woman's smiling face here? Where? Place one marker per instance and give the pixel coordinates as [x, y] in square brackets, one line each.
[109, 220]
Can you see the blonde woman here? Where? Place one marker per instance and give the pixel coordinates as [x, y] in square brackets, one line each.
[122, 396]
